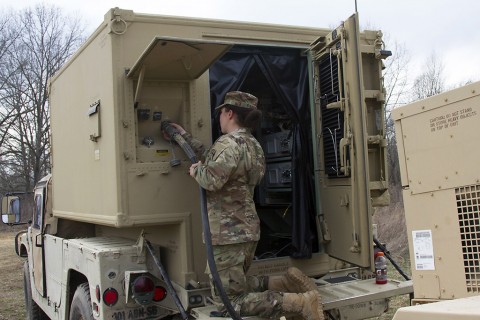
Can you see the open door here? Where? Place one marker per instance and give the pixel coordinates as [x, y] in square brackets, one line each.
[348, 127]
[175, 59]
[37, 232]
[168, 58]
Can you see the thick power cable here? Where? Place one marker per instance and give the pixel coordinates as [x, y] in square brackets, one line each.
[173, 133]
[389, 257]
[167, 280]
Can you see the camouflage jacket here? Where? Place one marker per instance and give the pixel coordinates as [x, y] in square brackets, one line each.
[233, 166]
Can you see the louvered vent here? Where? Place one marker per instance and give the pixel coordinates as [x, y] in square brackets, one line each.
[468, 201]
[332, 119]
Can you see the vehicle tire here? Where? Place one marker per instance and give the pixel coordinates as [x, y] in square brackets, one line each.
[33, 311]
[81, 308]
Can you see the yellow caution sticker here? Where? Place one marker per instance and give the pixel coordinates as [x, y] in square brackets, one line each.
[162, 152]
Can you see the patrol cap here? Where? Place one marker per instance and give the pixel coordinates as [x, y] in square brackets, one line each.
[239, 99]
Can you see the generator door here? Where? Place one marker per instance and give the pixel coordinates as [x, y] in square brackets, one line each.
[349, 135]
[177, 59]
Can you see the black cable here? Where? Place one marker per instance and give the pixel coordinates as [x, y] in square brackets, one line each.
[166, 278]
[384, 250]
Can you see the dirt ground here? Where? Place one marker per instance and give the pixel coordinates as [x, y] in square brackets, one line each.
[11, 279]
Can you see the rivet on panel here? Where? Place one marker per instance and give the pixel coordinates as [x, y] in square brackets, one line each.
[446, 99]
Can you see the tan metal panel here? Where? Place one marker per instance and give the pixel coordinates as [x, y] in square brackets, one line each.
[437, 144]
[439, 138]
[465, 309]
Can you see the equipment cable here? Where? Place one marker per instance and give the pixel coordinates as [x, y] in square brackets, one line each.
[389, 257]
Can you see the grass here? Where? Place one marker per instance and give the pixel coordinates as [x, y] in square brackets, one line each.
[392, 232]
[11, 277]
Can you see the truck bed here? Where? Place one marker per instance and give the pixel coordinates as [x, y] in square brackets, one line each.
[355, 299]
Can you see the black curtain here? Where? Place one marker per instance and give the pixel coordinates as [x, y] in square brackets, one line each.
[287, 74]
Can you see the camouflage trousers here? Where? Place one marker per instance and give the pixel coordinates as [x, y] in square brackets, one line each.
[248, 294]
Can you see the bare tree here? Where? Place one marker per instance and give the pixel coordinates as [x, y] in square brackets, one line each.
[396, 84]
[431, 81]
[396, 77]
[45, 38]
[399, 91]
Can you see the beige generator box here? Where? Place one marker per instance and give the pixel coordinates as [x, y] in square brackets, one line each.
[322, 130]
[112, 169]
[111, 165]
[438, 141]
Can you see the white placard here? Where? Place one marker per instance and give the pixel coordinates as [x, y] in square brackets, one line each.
[423, 250]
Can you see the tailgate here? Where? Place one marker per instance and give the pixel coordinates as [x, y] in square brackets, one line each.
[355, 299]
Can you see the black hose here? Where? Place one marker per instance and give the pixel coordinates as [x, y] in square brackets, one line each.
[175, 135]
[384, 250]
[165, 277]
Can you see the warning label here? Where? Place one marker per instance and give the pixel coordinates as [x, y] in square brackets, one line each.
[452, 119]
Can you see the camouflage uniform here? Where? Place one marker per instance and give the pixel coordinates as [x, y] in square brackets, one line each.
[234, 165]
[249, 295]
[232, 168]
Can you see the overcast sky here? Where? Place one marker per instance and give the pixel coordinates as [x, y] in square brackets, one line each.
[450, 29]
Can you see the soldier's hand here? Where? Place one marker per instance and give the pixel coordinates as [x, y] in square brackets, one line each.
[177, 127]
[193, 167]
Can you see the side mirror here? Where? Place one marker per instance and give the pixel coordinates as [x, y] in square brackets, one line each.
[10, 209]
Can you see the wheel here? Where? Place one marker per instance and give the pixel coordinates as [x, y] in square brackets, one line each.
[34, 312]
[81, 308]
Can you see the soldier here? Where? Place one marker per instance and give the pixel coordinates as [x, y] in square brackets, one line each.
[231, 169]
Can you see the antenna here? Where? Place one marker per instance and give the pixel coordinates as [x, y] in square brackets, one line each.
[356, 11]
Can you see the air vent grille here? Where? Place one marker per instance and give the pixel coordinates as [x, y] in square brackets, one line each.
[332, 119]
[468, 202]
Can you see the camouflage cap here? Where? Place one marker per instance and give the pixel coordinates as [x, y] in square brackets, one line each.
[239, 99]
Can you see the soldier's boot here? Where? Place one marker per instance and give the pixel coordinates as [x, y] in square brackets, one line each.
[293, 281]
[308, 304]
